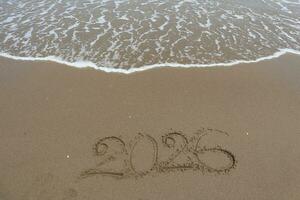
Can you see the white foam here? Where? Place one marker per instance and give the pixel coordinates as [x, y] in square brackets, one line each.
[89, 64]
[28, 33]
[8, 20]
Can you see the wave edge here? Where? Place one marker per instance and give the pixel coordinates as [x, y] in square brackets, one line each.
[89, 64]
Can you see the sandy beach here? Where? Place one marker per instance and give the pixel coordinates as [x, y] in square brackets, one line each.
[53, 116]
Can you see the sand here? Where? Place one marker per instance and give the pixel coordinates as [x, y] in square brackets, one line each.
[53, 119]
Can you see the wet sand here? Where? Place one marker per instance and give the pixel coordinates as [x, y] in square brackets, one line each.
[52, 117]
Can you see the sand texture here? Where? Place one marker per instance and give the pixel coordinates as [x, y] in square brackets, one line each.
[171, 134]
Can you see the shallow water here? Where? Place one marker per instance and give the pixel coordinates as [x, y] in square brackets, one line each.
[131, 34]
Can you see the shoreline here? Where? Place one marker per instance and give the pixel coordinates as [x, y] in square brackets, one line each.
[89, 64]
[53, 117]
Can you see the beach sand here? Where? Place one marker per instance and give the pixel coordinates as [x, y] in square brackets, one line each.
[51, 117]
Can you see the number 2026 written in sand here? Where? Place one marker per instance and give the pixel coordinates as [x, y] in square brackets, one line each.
[175, 152]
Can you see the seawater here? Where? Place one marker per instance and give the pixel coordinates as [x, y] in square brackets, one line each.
[134, 35]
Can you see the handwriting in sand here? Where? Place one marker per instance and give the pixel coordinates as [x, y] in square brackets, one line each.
[175, 152]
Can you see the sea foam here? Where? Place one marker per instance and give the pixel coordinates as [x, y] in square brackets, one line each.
[89, 64]
[128, 36]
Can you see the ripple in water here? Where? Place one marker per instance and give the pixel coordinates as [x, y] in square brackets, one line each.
[131, 34]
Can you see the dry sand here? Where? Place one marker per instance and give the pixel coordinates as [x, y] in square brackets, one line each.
[51, 117]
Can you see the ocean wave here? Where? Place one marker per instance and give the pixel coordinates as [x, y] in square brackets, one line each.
[89, 64]
[124, 34]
